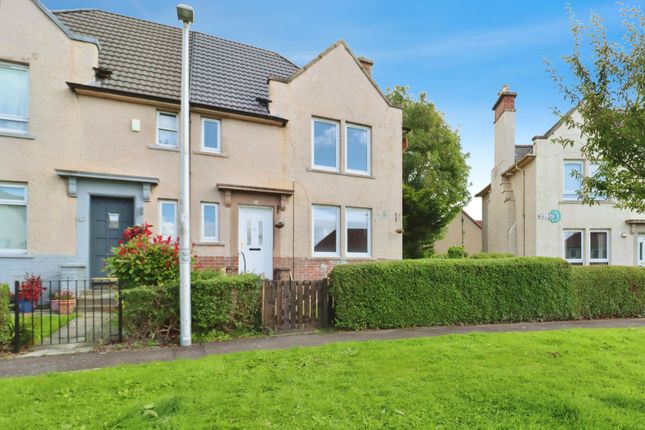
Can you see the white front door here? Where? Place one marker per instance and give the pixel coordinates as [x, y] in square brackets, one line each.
[640, 250]
[256, 240]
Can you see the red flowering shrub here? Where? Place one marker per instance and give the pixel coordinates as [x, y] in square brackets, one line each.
[143, 258]
[31, 289]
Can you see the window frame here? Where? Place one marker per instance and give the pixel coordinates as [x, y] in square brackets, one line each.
[24, 203]
[313, 144]
[571, 195]
[593, 168]
[210, 239]
[367, 172]
[369, 233]
[175, 204]
[314, 253]
[574, 261]
[607, 233]
[16, 118]
[158, 127]
[204, 148]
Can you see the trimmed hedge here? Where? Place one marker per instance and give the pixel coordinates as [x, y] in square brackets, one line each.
[441, 292]
[219, 303]
[6, 334]
[609, 291]
[481, 255]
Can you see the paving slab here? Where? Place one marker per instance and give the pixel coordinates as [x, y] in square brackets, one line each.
[22, 365]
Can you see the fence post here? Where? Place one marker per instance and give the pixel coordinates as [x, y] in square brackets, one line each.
[120, 307]
[16, 340]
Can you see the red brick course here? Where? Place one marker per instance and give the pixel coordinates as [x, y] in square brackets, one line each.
[301, 267]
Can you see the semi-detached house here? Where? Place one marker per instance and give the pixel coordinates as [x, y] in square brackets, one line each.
[293, 169]
[532, 206]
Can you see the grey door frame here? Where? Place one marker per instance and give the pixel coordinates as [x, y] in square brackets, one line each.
[92, 236]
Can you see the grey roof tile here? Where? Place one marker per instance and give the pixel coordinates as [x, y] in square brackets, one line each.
[521, 151]
[145, 58]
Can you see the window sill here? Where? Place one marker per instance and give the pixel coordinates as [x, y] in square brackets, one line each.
[332, 172]
[580, 202]
[16, 255]
[164, 148]
[17, 135]
[210, 244]
[211, 153]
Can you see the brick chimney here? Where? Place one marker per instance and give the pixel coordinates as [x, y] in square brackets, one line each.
[504, 122]
[366, 64]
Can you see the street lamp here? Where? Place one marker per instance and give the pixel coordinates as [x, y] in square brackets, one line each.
[185, 13]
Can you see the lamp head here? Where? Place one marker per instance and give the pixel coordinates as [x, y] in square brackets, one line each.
[185, 13]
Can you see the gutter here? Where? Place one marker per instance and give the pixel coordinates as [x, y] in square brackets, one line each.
[93, 90]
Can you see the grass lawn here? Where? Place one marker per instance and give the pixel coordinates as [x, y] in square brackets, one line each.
[43, 325]
[566, 379]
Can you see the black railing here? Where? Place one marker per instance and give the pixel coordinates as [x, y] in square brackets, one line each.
[67, 312]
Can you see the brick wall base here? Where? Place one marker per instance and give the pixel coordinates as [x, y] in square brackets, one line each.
[301, 268]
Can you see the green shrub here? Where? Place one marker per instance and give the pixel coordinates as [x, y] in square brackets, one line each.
[219, 304]
[457, 252]
[143, 258]
[609, 291]
[481, 255]
[440, 292]
[6, 333]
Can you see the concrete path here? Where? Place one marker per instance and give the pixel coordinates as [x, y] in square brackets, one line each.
[16, 366]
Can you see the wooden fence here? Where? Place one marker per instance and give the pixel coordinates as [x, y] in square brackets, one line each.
[296, 305]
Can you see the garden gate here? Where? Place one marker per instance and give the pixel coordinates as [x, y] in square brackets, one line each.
[296, 305]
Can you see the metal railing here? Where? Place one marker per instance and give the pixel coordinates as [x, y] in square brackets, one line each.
[67, 312]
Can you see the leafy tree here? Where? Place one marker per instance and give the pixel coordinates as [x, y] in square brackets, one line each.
[608, 89]
[435, 173]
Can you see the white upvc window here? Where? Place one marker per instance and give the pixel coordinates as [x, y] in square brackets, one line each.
[168, 218]
[325, 231]
[13, 218]
[599, 247]
[14, 98]
[167, 127]
[572, 183]
[358, 232]
[573, 243]
[325, 144]
[593, 169]
[358, 148]
[210, 217]
[211, 135]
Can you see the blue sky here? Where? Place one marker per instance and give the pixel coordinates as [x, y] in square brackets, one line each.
[459, 52]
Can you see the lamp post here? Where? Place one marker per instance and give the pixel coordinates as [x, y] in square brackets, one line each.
[185, 14]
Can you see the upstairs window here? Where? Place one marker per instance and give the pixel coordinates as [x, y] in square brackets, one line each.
[593, 169]
[599, 247]
[357, 149]
[13, 218]
[210, 135]
[14, 98]
[572, 182]
[573, 246]
[324, 144]
[167, 129]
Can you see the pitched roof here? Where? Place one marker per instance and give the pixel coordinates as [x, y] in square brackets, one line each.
[145, 59]
[521, 151]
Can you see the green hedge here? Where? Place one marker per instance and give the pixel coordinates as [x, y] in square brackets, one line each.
[481, 255]
[219, 303]
[609, 291]
[5, 318]
[440, 292]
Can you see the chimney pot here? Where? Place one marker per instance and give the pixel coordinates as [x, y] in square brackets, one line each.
[366, 64]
